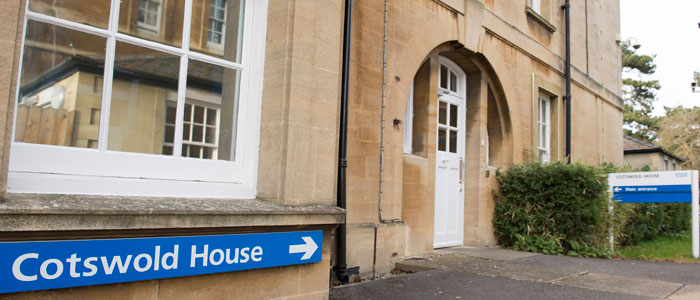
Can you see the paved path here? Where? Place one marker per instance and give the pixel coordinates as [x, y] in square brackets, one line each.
[492, 273]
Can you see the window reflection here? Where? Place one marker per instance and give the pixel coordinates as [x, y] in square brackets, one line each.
[144, 82]
[90, 12]
[217, 28]
[155, 20]
[210, 111]
[62, 79]
[60, 87]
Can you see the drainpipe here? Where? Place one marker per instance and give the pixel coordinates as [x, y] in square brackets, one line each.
[342, 272]
[380, 218]
[567, 98]
[381, 141]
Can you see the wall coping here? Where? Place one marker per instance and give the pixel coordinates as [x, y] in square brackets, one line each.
[40, 212]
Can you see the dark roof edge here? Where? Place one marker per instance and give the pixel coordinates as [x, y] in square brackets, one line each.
[86, 64]
[653, 150]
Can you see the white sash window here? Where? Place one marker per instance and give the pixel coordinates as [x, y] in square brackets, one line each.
[105, 108]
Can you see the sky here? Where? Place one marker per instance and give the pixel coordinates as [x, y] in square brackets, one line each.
[669, 29]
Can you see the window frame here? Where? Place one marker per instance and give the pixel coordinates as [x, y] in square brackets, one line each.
[210, 43]
[48, 169]
[544, 129]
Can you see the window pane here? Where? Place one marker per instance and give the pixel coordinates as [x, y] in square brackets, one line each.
[453, 115]
[442, 142]
[210, 137]
[186, 129]
[142, 80]
[156, 20]
[188, 112]
[217, 28]
[197, 133]
[453, 82]
[211, 116]
[541, 137]
[89, 12]
[443, 76]
[195, 151]
[216, 88]
[58, 103]
[453, 141]
[169, 133]
[442, 113]
[199, 114]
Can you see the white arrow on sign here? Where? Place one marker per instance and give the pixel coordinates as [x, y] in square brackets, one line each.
[617, 189]
[309, 248]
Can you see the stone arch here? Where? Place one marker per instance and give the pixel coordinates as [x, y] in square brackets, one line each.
[486, 105]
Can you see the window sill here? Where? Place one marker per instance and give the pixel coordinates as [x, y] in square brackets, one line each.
[539, 19]
[38, 212]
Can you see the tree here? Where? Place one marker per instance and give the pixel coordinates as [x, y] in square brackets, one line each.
[680, 134]
[639, 94]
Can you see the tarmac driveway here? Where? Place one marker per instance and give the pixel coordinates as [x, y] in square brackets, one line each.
[492, 273]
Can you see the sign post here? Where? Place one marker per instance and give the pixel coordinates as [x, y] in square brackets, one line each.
[659, 187]
[694, 211]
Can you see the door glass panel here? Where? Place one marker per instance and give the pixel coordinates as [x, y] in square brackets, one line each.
[453, 115]
[453, 141]
[60, 94]
[442, 114]
[89, 12]
[443, 76]
[442, 139]
[453, 82]
[139, 108]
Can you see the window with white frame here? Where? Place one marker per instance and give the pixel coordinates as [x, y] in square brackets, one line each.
[199, 132]
[536, 6]
[408, 125]
[150, 12]
[217, 22]
[166, 121]
[543, 124]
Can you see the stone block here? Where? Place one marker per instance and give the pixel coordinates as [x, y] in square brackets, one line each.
[130, 290]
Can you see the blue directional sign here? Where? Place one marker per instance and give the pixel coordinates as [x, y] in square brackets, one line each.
[643, 187]
[28, 266]
[667, 186]
[653, 193]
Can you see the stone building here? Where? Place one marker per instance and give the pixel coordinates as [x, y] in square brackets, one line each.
[640, 154]
[151, 119]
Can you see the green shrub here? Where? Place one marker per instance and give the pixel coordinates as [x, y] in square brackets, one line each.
[552, 208]
[652, 220]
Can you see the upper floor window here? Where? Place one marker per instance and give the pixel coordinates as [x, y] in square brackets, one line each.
[103, 109]
[536, 6]
[150, 14]
[543, 124]
[217, 22]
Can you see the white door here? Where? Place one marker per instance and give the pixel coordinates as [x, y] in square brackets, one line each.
[449, 161]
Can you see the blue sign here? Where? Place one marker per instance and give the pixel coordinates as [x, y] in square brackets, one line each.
[653, 193]
[28, 266]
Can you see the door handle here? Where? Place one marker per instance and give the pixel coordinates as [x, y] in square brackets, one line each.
[461, 170]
